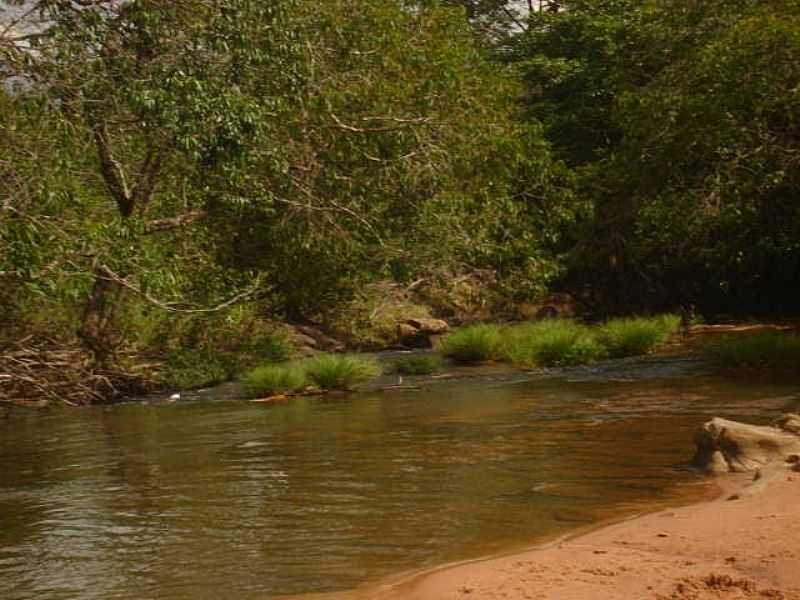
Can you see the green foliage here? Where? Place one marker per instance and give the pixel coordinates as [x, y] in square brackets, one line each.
[269, 380]
[473, 344]
[340, 371]
[635, 336]
[424, 364]
[765, 350]
[307, 152]
[694, 198]
[268, 347]
[551, 343]
[316, 147]
[191, 369]
[369, 319]
[403, 156]
[569, 60]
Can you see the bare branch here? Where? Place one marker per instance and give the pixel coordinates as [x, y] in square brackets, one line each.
[159, 225]
[510, 14]
[402, 124]
[109, 275]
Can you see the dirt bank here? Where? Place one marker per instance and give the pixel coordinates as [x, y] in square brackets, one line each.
[746, 544]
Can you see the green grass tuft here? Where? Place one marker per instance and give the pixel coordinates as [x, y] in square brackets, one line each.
[418, 365]
[473, 344]
[551, 342]
[635, 336]
[340, 371]
[764, 350]
[274, 379]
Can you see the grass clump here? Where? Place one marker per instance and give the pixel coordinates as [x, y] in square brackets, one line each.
[192, 369]
[764, 350]
[274, 379]
[634, 336]
[473, 344]
[340, 371]
[550, 343]
[418, 365]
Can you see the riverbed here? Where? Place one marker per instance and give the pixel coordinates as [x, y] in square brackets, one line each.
[234, 499]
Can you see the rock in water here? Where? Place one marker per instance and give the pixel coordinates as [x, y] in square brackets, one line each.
[729, 446]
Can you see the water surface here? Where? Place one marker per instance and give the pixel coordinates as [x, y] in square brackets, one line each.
[241, 500]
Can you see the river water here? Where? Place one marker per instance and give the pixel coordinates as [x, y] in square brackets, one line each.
[210, 500]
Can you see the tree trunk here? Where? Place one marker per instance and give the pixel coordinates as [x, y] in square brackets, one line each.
[97, 330]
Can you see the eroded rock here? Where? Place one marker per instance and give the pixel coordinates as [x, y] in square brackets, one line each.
[729, 446]
[322, 341]
[420, 333]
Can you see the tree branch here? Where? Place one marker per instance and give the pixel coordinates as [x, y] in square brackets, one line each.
[113, 175]
[159, 225]
[143, 190]
[106, 273]
[402, 124]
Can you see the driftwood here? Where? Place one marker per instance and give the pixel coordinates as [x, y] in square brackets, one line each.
[725, 446]
[38, 372]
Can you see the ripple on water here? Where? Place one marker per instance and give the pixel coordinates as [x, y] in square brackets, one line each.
[240, 500]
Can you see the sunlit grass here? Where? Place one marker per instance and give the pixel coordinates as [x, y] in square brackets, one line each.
[549, 343]
[274, 379]
[635, 336]
[340, 371]
[473, 344]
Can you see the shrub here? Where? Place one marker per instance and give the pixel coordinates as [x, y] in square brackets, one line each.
[274, 379]
[191, 369]
[418, 365]
[768, 349]
[551, 342]
[340, 371]
[370, 318]
[473, 344]
[635, 336]
[269, 347]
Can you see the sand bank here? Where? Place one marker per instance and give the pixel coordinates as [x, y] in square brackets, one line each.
[746, 544]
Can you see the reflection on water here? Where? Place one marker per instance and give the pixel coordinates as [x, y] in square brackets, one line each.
[237, 500]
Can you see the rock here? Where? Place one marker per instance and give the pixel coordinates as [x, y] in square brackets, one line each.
[728, 446]
[321, 341]
[552, 306]
[404, 330]
[429, 326]
[420, 333]
[789, 422]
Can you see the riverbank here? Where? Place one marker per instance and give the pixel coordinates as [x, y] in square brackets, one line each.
[744, 544]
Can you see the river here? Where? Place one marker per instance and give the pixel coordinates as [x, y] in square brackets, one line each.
[205, 500]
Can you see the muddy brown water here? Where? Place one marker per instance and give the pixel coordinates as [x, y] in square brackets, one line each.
[238, 500]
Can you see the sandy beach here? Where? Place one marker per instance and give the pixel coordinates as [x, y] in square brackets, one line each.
[745, 544]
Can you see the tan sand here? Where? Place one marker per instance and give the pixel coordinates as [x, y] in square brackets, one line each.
[746, 547]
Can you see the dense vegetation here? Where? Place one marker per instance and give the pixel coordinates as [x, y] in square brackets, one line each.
[763, 350]
[559, 342]
[184, 176]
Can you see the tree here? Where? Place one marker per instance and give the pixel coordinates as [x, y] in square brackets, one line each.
[176, 100]
[693, 202]
[403, 158]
